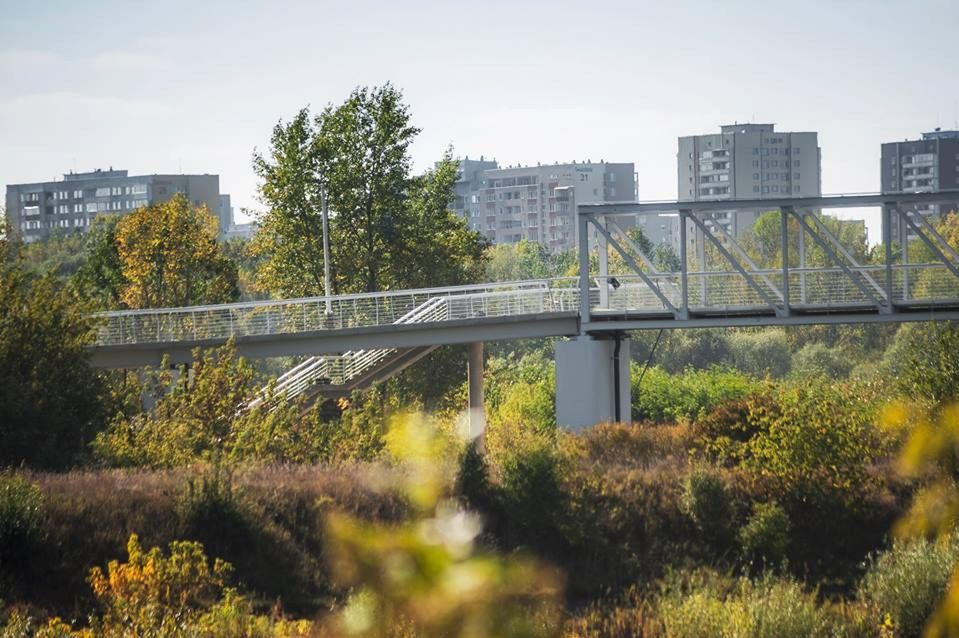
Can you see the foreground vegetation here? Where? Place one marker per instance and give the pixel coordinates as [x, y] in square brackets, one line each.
[777, 482]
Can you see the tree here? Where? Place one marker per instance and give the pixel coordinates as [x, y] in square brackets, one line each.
[290, 241]
[169, 256]
[50, 398]
[100, 278]
[388, 230]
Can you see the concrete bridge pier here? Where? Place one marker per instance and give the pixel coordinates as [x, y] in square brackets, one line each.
[477, 416]
[592, 381]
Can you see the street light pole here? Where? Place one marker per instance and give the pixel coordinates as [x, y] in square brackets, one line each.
[326, 251]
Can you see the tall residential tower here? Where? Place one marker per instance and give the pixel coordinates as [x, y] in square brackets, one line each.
[748, 161]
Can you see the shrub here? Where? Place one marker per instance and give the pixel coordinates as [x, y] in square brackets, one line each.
[922, 361]
[155, 594]
[706, 501]
[713, 606]
[761, 353]
[818, 360]
[21, 520]
[907, 582]
[51, 400]
[813, 437]
[765, 536]
[534, 501]
[670, 397]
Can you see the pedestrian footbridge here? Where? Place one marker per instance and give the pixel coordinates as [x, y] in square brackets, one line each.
[352, 341]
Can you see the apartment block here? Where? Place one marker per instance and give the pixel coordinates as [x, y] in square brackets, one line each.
[748, 161]
[36, 210]
[923, 165]
[537, 203]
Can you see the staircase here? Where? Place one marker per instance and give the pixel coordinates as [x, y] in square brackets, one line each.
[340, 374]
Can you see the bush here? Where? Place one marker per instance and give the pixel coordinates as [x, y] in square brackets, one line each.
[922, 361]
[713, 606]
[762, 353]
[687, 396]
[765, 536]
[706, 501]
[818, 360]
[906, 582]
[21, 520]
[813, 437]
[51, 401]
[534, 501]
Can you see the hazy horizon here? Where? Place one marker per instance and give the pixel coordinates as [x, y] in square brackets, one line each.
[193, 87]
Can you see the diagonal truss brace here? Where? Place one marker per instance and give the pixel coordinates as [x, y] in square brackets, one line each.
[883, 304]
[632, 246]
[632, 264]
[730, 241]
[779, 310]
[932, 246]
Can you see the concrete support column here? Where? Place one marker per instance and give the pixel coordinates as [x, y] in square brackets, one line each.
[477, 431]
[591, 374]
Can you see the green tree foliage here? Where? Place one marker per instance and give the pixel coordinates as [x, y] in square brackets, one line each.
[201, 414]
[101, 279]
[169, 256]
[922, 361]
[765, 536]
[527, 260]
[813, 437]
[661, 396]
[62, 253]
[388, 230]
[50, 398]
[761, 353]
[764, 241]
[817, 359]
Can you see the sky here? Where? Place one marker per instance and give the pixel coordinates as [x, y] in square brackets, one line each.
[195, 87]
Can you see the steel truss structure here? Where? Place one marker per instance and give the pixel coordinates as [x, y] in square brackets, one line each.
[740, 292]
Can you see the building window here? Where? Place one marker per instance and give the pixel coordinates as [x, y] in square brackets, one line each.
[103, 192]
[796, 163]
[755, 163]
[755, 175]
[755, 189]
[775, 188]
[91, 207]
[765, 189]
[797, 151]
[139, 189]
[765, 151]
[755, 151]
[795, 175]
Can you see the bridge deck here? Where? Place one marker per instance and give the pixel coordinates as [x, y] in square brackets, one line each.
[538, 308]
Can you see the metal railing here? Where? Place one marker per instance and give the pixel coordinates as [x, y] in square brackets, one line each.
[340, 370]
[820, 288]
[288, 316]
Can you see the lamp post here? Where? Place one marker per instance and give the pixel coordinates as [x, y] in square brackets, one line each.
[326, 251]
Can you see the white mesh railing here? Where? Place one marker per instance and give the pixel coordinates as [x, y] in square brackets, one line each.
[828, 287]
[219, 322]
[339, 370]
